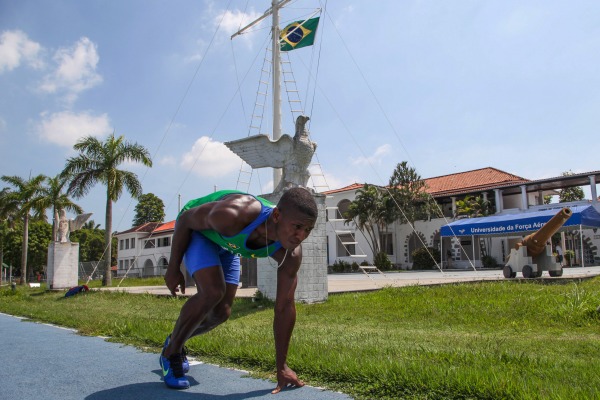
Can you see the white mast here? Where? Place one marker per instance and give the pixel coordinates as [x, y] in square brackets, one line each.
[276, 75]
[276, 85]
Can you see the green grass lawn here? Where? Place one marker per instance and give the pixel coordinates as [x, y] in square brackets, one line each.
[493, 340]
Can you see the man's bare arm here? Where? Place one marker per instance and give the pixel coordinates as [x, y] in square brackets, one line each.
[285, 315]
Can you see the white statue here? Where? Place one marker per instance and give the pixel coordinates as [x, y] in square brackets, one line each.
[292, 155]
[66, 226]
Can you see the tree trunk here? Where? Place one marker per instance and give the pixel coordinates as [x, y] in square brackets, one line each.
[1, 259]
[107, 281]
[24, 249]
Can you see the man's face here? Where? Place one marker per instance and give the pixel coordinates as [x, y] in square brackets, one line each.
[293, 227]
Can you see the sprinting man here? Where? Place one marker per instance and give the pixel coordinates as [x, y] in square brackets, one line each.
[211, 233]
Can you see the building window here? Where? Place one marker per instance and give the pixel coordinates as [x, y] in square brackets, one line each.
[120, 264]
[345, 246]
[126, 244]
[126, 264]
[343, 206]
[149, 244]
[121, 244]
[387, 243]
[133, 243]
[164, 241]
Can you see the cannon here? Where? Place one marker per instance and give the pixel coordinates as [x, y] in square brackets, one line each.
[532, 256]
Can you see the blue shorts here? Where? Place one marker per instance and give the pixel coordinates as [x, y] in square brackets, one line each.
[202, 253]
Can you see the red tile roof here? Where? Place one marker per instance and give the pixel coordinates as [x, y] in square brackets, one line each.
[469, 181]
[151, 227]
[167, 226]
[462, 182]
[353, 186]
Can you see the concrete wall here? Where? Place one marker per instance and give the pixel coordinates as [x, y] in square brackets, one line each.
[312, 277]
[63, 260]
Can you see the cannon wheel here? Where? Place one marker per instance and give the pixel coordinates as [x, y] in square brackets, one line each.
[508, 272]
[528, 272]
[539, 272]
[556, 273]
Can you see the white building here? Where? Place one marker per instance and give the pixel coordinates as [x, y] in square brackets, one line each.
[145, 250]
[508, 193]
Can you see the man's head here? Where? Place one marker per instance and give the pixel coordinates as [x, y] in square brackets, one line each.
[295, 216]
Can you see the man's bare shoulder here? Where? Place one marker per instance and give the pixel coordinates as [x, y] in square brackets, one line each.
[231, 214]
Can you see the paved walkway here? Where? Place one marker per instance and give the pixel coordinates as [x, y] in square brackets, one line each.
[357, 282]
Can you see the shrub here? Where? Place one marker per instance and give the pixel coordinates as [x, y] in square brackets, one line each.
[489, 262]
[569, 257]
[340, 266]
[382, 261]
[425, 258]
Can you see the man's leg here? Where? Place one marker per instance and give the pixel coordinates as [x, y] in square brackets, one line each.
[212, 291]
[220, 313]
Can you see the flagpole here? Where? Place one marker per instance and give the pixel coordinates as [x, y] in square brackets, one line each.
[276, 84]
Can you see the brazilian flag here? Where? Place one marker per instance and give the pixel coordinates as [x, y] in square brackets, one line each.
[298, 34]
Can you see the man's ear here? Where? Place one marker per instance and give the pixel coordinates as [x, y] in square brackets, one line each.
[276, 215]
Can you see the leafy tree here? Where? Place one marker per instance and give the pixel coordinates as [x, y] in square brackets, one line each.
[150, 208]
[52, 196]
[21, 200]
[98, 162]
[91, 224]
[407, 189]
[91, 244]
[572, 193]
[473, 207]
[39, 236]
[411, 201]
[8, 214]
[366, 213]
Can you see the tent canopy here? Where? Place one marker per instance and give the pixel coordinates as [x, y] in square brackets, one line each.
[584, 215]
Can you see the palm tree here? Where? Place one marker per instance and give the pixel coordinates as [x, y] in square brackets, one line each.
[21, 201]
[98, 162]
[7, 220]
[367, 213]
[52, 196]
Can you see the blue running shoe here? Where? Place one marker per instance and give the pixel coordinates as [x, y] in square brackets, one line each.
[172, 370]
[185, 362]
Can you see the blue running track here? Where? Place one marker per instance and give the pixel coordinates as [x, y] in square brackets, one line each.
[47, 362]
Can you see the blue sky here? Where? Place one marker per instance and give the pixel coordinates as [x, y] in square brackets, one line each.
[446, 86]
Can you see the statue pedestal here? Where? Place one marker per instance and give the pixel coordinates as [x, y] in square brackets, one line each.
[63, 259]
[312, 277]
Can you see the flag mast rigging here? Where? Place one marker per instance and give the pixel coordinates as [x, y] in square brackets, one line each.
[276, 55]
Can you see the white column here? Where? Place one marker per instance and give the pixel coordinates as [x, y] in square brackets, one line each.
[453, 206]
[593, 188]
[498, 197]
[524, 202]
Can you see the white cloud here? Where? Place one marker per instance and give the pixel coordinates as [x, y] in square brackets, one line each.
[65, 128]
[236, 19]
[374, 159]
[75, 71]
[209, 158]
[232, 21]
[15, 47]
[167, 160]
